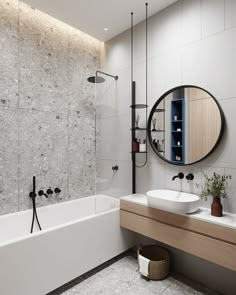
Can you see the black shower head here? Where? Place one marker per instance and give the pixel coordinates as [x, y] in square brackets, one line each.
[96, 79]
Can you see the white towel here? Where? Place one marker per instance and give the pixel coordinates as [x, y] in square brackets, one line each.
[143, 265]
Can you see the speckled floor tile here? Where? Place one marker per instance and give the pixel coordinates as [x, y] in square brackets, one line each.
[9, 53]
[123, 278]
[183, 286]
[178, 288]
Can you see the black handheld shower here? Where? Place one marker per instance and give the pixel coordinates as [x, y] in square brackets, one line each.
[33, 196]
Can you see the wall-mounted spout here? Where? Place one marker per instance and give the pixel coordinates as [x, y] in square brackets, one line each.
[180, 175]
[42, 193]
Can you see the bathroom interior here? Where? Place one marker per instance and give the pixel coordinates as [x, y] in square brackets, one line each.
[117, 147]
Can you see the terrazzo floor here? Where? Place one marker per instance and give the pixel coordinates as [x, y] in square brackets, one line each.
[123, 278]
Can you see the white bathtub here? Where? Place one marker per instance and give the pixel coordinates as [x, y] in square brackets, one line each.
[77, 236]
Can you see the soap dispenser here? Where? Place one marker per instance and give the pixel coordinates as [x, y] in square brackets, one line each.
[158, 145]
[162, 146]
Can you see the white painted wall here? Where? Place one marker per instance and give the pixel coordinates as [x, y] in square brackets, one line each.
[190, 42]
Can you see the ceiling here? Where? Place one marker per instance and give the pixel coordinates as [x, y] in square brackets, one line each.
[92, 16]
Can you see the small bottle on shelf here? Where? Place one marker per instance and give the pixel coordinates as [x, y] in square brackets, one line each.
[177, 158]
[135, 146]
[155, 143]
[158, 145]
[162, 145]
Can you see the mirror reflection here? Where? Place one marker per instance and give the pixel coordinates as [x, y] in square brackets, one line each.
[185, 125]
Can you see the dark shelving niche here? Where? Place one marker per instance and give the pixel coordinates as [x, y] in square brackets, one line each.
[177, 109]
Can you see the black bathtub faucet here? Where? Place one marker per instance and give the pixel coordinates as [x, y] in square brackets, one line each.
[180, 175]
[49, 192]
[42, 193]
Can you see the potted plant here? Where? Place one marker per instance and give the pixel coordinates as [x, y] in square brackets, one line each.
[215, 186]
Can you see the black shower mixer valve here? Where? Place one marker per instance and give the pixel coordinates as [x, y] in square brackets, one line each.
[49, 191]
[56, 191]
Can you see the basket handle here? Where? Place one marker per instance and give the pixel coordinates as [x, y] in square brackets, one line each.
[140, 247]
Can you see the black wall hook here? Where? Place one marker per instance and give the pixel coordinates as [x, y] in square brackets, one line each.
[115, 168]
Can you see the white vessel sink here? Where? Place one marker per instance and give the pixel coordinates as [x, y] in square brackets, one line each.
[173, 201]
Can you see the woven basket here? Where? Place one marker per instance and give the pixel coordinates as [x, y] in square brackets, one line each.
[159, 264]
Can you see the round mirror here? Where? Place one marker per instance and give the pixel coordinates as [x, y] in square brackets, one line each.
[185, 125]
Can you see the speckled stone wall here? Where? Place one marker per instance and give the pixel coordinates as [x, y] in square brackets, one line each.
[47, 107]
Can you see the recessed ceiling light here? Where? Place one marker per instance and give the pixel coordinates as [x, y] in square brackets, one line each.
[105, 29]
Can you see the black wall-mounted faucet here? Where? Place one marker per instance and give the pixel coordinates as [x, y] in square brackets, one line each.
[42, 193]
[49, 192]
[180, 176]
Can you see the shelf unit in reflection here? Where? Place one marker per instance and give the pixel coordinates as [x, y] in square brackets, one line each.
[177, 127]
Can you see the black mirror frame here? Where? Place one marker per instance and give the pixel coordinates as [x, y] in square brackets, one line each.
[150, 121]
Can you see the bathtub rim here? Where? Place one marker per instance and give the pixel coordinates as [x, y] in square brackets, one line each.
[50, 229]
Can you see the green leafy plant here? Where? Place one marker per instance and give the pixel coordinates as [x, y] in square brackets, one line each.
[215, 186]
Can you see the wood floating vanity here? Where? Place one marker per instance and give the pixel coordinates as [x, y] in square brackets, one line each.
[198, 234]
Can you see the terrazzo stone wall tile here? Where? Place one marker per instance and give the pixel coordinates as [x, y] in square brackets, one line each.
[84, 60]
[82, 162]
[8, 161]
[43, 153]
[44, 68]
[43, 55]
[8, 53]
